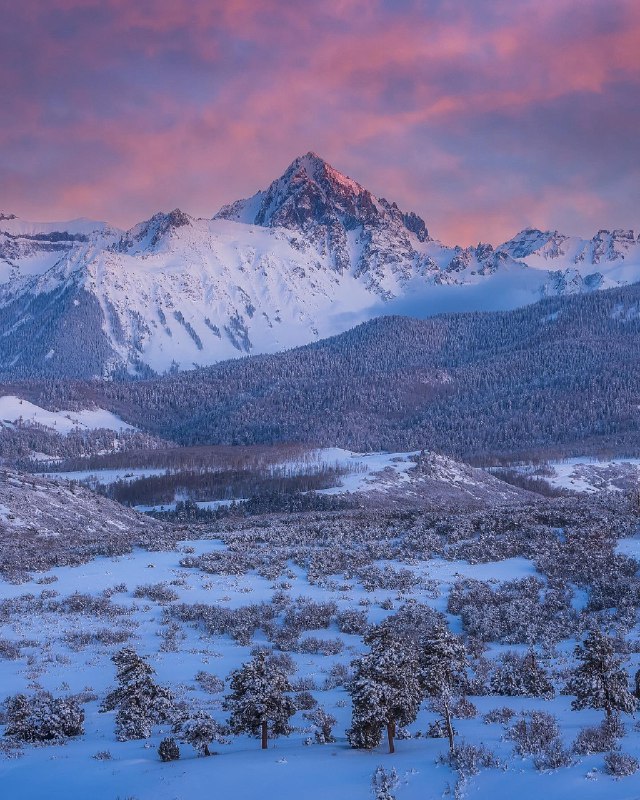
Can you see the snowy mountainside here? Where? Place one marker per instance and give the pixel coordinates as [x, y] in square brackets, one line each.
[311, 256]
[44, 522]
[32, 248]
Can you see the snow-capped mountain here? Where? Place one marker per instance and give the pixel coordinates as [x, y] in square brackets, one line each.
[310, 256]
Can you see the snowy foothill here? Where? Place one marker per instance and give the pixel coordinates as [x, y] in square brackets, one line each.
[14, 410]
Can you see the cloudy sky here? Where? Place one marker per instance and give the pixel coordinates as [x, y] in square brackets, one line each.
[483, 116]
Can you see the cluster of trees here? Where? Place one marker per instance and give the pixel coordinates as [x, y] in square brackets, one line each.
[406, 664]
[220, 484]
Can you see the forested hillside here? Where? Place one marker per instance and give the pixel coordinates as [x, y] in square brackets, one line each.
[559, 376]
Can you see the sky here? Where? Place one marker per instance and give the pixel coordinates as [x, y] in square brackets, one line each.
[482, 116]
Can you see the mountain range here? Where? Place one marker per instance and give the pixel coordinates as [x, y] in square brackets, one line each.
[309, 257]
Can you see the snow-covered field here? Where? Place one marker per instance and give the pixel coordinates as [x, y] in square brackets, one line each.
[65, 652]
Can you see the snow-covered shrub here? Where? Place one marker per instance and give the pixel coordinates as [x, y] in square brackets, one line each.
[468, 759]
[305, 701]
[338, 675]
[554, 756]
[9, 651]
[306, 615]
[102, 755]
[198, 729]
[401, 580]
[352, 621]
[119, 588]
[521, 675]
[158, 592]
[304, 684]
[600, 738]
[110, 636]
[620, 764]
[168, 749]
[324, 723]
[209, 682]
[517, 612]
[437, 730]
[43, 718]
[383, 783]
[502, 715]
[316, 646]
[534, 733]
[463, 709]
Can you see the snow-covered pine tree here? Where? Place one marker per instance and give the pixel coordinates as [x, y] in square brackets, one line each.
[385, 690]
[258, 701]
[199, 730]
[599, 681]
[442, 661]
[138, 701]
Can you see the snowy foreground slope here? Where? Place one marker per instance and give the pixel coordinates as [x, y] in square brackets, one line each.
[202, 607]
[311, 256]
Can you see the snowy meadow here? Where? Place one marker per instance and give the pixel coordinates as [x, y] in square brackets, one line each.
[461, 625]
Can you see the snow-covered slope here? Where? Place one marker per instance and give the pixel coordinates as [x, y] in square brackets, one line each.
[43, 522]
[420, 479]
[311, 256]
[15, 410]
[32, 248]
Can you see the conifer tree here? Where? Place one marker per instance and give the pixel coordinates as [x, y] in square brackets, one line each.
[442, 662]
[600, 681]
[139, 702]
[258, 701]
[385, 690]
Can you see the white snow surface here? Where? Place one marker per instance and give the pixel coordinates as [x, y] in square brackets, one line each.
[14, 409]
[288, 770]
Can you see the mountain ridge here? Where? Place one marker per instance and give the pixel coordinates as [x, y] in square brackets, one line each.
[310, 256]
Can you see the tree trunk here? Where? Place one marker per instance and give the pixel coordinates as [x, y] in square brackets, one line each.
[264, 735]
[447, 721]
[206, 750]
[391, 732]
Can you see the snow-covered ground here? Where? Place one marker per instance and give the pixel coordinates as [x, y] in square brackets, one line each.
[104, 476]
[14, 409]
[585, 474]
[288, 770]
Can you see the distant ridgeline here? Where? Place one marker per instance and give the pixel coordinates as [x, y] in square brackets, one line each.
[561, 376]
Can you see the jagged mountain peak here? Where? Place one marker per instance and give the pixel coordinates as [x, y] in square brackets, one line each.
[312, 193]
[7, 215]
[153, 231]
